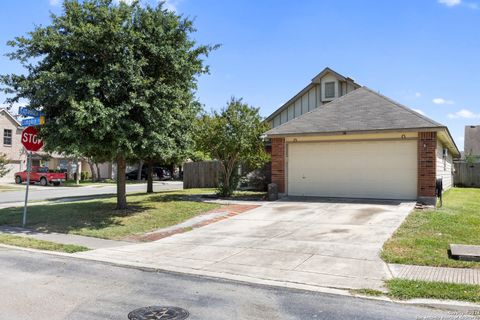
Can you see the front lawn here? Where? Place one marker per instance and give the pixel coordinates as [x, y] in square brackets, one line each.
[425, 235]
[98, 218]
[39, 244]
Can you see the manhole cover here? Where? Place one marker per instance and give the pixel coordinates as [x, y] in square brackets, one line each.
[157, 312]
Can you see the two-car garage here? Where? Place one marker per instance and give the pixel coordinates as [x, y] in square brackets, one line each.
[354, 169]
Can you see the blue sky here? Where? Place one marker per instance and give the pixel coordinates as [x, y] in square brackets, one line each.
[422, 53]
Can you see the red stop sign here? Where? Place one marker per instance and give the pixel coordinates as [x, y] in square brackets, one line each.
[30, 139]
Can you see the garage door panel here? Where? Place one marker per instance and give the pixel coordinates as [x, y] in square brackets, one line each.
[380, 169]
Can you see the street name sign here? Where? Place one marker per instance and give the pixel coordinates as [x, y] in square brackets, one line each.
[33, 121]
[27, 112]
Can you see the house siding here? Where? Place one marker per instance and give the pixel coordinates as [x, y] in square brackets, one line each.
[444, 166]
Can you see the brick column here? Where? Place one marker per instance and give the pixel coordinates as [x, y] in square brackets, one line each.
[278, 163]
[427, 144]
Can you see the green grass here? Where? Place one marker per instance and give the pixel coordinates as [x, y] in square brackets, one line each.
[39, 244]
[368, 292]
[98, 218]
[424, 237]
[411, 289]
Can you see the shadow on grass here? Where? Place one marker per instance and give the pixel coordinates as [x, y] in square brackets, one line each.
[99, 218]
[71, 217]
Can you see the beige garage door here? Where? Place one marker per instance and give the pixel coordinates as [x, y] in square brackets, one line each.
[380, 169]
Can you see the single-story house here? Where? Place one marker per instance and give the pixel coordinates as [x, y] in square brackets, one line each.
[358, 144]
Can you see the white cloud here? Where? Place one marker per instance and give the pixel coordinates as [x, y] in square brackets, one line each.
[419, 111]
[54, 2]
[442, 101]
[464, 113]
[450, 3]
[418, 94]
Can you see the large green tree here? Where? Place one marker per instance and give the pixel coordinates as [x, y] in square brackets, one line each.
[113, 80]
[234, 137]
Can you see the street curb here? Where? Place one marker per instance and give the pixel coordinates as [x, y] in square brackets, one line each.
[451, 305]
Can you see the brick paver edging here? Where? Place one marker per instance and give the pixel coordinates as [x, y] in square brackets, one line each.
[229, 210]
[436, 274]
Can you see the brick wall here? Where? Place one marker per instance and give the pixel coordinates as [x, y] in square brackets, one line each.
[278, 163]
[427, 143]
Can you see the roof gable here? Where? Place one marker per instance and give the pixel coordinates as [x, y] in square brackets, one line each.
[9, 115]
[359, 110]
[315, 81]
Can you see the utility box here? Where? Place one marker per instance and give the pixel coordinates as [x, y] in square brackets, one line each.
[272, 192]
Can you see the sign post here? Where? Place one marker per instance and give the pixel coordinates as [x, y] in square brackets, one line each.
[29, 169]
[31, 142]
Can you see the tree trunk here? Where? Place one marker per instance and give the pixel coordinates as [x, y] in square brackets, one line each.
[172, 169]
[69, 170]
[140, 167]
[77, 172]
[150, 177]
[92, 169]
[99, 177]
[121, 186]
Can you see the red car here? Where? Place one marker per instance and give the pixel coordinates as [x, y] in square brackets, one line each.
[42, 175]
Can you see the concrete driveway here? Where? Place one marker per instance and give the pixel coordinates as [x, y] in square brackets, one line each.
[296, 243]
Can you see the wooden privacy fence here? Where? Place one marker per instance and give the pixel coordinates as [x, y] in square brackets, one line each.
[467, 175]
[204, 174]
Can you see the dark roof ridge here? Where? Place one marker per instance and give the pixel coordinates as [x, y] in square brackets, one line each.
[323, 106]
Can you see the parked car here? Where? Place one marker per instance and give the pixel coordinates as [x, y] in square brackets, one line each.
[41, 175]
[159, 173]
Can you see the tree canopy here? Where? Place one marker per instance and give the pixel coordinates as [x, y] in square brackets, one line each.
[114, 81]
[234, 137]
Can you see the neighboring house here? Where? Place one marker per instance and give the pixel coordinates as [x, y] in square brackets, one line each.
[10, 144]
[361, 145]
[472, 143]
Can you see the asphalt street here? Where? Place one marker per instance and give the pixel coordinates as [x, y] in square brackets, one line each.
[51, 192]
[41, 286]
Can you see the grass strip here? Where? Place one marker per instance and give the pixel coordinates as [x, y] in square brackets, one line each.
[25, 242]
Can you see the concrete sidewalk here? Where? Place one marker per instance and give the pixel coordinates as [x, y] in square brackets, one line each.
[436, 274]
[89, 242]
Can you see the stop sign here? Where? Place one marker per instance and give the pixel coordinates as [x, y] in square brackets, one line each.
[30, 139]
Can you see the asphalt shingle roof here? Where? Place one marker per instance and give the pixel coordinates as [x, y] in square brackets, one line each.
[359, 110]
